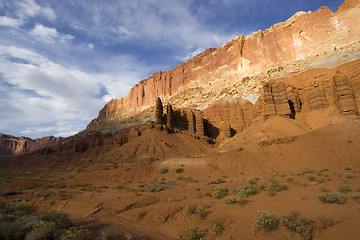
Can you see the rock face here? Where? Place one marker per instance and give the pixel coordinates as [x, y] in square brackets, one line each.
[326, 93]
[10, 145]
[304, 34]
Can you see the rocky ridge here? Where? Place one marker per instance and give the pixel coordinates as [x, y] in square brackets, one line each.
[240, 66]
[10, 145]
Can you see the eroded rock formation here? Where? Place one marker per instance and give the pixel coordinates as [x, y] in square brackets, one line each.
[10, 145]
[304, 34]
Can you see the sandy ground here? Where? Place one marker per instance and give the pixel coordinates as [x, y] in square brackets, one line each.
[115, 193]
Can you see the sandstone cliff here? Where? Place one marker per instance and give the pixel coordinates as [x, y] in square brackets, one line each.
[277, 49]
[10, 145]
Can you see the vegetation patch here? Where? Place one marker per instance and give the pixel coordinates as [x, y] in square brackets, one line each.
[219, 192]
[274, 187]
[17, 221]
[266, 221]
[163, 170]
[326, 221]
[217, 226]
[193, 234]
[344, 188]
[299, 223]
[336, 197]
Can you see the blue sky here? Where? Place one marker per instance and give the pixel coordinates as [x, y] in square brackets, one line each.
[62, 60]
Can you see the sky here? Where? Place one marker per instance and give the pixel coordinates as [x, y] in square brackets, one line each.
[62, 60]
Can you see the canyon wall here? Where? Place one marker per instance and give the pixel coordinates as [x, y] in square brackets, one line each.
[10, 145]
[304, 34]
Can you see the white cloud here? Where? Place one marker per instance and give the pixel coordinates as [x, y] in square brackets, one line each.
[10, 22]
[49, 35]
[40, 97]
[190, 54]
[29, 8]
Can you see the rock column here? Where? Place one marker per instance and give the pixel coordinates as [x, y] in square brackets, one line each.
[158, 112]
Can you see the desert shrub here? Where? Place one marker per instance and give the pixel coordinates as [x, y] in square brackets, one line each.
[112, 234]
[140, 214]
[349, 176]
[299, 223]
[274, 186]
[194, 209]
[348, 168]
[217, 226]
[163, 170]
[321, 180]
[326, 221]
[355, 196]
[120, 186]
[9, 192]
[289, 179]
[344, 188]
[245, 189]
[252, 180]
[179, 170]
[266, 221]
[190, 179]
[307, 170]
[74, 233]
[336, 197]
[231, 200]
[156, 186]
[323, 189]
[219, 192]
[201, 211]
[240, 149]
[217, 181]
[193, 234]
[190, 209]
[302, 184]
[312, 178]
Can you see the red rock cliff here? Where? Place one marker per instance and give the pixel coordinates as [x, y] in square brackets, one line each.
[304, 34]
[10, 145]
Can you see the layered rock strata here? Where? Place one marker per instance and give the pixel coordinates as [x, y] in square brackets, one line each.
[10, 145]
[304, 34]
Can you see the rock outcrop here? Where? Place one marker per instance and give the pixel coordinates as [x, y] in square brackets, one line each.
[293, 97]
[10, 145]
[304, 34]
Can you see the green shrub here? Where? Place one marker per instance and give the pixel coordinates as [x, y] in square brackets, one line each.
[274, 186]
[246, 190]
[190, 209]
[217, 181]
[307, 170]
[300, 224]
[9, 192]
[349, 176]
[312, 178]
[326, 221]
[217, 226]
[219, 192]
[112, 234]
[348, 168]
[74, 233]
[338, 198]
[252, 180]
[344, 188]
[194, 209]
[193, 234]
[140, 214]
[323, 189]
[266, 221]
[163, 170]
[179, 170]
[231, 200]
